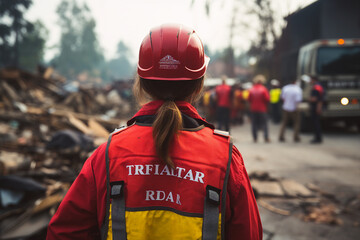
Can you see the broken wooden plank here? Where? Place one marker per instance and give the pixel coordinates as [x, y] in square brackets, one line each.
[78, 124]
[97, 129]
[272, 208]
[48, 72]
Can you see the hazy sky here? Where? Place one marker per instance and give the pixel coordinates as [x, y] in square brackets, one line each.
[131, 20]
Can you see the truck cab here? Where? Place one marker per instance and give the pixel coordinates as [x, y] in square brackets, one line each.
[336, 63]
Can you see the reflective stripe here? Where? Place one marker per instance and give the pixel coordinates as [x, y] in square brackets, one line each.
[221, 133]
[211, 213]
[118, 211]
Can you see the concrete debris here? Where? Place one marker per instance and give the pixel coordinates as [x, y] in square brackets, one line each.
[267, 189]
[295, 189]
[266, 186]
[323, 193]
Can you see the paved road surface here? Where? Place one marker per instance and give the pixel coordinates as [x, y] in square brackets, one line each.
[334, 166]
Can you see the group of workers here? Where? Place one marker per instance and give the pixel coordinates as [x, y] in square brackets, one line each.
[224, 104]
[228, 105]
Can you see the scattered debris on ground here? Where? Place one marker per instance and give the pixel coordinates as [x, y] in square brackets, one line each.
[309, 202]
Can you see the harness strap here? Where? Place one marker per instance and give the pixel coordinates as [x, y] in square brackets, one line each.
[118, 210]
[104, 228]
[211, 213]
[223, 198]
[211, 205]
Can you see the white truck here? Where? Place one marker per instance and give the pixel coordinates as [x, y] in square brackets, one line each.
[336, 64]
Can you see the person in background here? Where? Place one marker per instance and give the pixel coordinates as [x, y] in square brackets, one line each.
[206, 102]
[316, 104]
[169, 174]
[247, 114]
[209, 104]
[223, 104]
[291, 95]
[237, 113]
[259, 100]
[275, 104]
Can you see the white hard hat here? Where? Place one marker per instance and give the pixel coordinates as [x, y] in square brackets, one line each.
[305, 78]
[274, 82]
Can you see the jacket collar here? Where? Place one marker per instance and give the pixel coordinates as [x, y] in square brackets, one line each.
[185, 107]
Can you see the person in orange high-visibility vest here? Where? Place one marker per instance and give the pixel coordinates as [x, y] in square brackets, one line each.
[168, 174]
[237, 113]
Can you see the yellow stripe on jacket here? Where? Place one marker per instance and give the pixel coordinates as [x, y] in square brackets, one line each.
[161, 224]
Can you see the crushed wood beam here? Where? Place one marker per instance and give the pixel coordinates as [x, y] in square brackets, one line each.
[272, 208]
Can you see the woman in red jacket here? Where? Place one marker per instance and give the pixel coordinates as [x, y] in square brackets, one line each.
[168, 174]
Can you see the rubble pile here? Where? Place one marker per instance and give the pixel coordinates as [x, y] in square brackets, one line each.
[47, 130]
[20, 90]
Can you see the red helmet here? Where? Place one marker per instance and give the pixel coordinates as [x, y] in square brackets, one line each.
[172, 52]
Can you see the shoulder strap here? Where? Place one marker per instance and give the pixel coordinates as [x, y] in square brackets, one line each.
[118, 210]
[211, 213]
[212, 202]
[114, 192]
[223, 203]
[104, 228]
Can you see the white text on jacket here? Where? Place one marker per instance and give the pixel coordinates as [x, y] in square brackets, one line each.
[157, 169]
[158, 195]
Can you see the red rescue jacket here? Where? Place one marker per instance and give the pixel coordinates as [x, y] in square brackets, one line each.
[223, 95]
[154, 193]
[258, 98]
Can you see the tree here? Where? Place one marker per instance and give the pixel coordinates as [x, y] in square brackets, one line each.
[228, 54]
[79, 47]
[120, 66]
[260, 12]
[13, 27]
[31, 47]
[262, 48]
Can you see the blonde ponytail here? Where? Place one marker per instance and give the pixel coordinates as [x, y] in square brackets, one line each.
[166, 126]
[168, 121]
